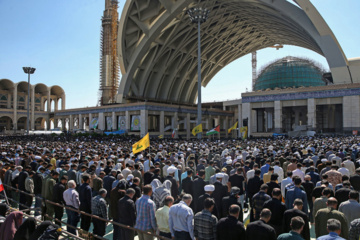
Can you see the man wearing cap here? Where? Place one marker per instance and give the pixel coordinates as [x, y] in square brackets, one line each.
[230, 201]
[209, 189]
[174, 186]
[219, 192]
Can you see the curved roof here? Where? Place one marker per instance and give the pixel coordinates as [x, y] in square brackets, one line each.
[158, 43]
[56, 90]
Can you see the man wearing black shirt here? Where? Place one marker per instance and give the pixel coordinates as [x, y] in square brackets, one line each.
[230, 228]
[148, 176]
[85, 197]
[297, 212]
[342, 194]
[272, 184]
[198, 188]
[260, 229]
[21, 184]
[309, 187]
[254, 185]
[58, 191]
[355, 180]
[277, 208]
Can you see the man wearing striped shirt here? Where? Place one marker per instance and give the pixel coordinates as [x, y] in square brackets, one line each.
[145, 209]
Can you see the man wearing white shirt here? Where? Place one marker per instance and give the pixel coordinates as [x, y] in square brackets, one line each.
[251, 173]
[279, 171]
[298, 172]
[285, 182]
[343, 170]
[350, 166]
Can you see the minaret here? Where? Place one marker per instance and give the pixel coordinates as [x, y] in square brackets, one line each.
[109, 69]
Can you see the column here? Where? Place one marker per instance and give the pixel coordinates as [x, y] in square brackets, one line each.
[351, 113]
[162, 123]
[277, 116]
[226, 127]
[311, 113]
[15, 107]
[32, 108]
[239, 119]
[63, 101]
[188, 127]
[143, 122]
[246, 114]
[207, 125]
[114, 125]
[175, 123]
[127, 121]
[48, 100]
[71, 122]
[81, 121]
[101, 122]
[90, 118]
[9, 101]
[56, 104]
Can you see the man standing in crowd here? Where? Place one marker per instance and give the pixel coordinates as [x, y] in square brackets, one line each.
[85, 196]
[205, 222]
[127, 214]
[145, 209]
[260, 229]
[99, 208]
[230, 228]
[162, 217]
[181, 219]
[58, 191]
[297, 225]
[71, 198]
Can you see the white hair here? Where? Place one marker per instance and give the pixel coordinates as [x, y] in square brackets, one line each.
[71, 184]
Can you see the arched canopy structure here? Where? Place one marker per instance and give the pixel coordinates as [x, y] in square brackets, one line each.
[6, 84]
[157, 42]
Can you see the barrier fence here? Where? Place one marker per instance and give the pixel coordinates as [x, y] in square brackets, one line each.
[7, 187]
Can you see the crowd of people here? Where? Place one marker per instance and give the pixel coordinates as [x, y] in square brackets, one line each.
[186, 189]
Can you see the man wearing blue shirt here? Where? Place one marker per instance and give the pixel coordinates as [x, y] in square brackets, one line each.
[334, 229]
[264, 169]
[181, 219]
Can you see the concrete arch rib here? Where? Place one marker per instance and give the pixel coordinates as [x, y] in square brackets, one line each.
[158, 43]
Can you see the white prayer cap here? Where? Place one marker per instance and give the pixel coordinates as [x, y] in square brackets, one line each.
[3, 153]
[140, 156]
[228, 157]
[189, 149]
[209, 188]
[120, 160]
[112, 156]
[229, 161]
[129, 177]
[37, 157]
[324, 160]
[219, 175]
[171, 170]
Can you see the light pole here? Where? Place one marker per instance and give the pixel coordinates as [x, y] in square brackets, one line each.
[28, 71]
[198, 15]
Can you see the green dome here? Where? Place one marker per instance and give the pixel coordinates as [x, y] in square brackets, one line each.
[290, 72]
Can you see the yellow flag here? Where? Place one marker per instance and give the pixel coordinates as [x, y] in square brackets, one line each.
[197, 129]
[142, 144]
[244, 130]
[233, 127]
[160, 136]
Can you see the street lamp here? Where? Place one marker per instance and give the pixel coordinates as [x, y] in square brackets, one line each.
[198, 15]
[28, 71]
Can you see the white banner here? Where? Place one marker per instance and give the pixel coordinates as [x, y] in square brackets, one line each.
[121, 123]
[135, 123]
[109, 123]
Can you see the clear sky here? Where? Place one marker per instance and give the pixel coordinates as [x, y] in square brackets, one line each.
[61, 39]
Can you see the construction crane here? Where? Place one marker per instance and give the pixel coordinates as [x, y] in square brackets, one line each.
[254, 63]
[115, 62]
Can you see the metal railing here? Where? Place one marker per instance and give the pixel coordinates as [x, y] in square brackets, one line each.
[80, 212]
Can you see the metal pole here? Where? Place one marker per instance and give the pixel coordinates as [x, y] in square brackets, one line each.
[199, 79]
[28, 106]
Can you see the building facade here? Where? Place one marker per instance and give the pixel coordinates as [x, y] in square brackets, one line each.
[44, 102]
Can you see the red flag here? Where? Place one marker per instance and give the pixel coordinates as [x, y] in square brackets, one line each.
[173, 133]
[1, 186]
